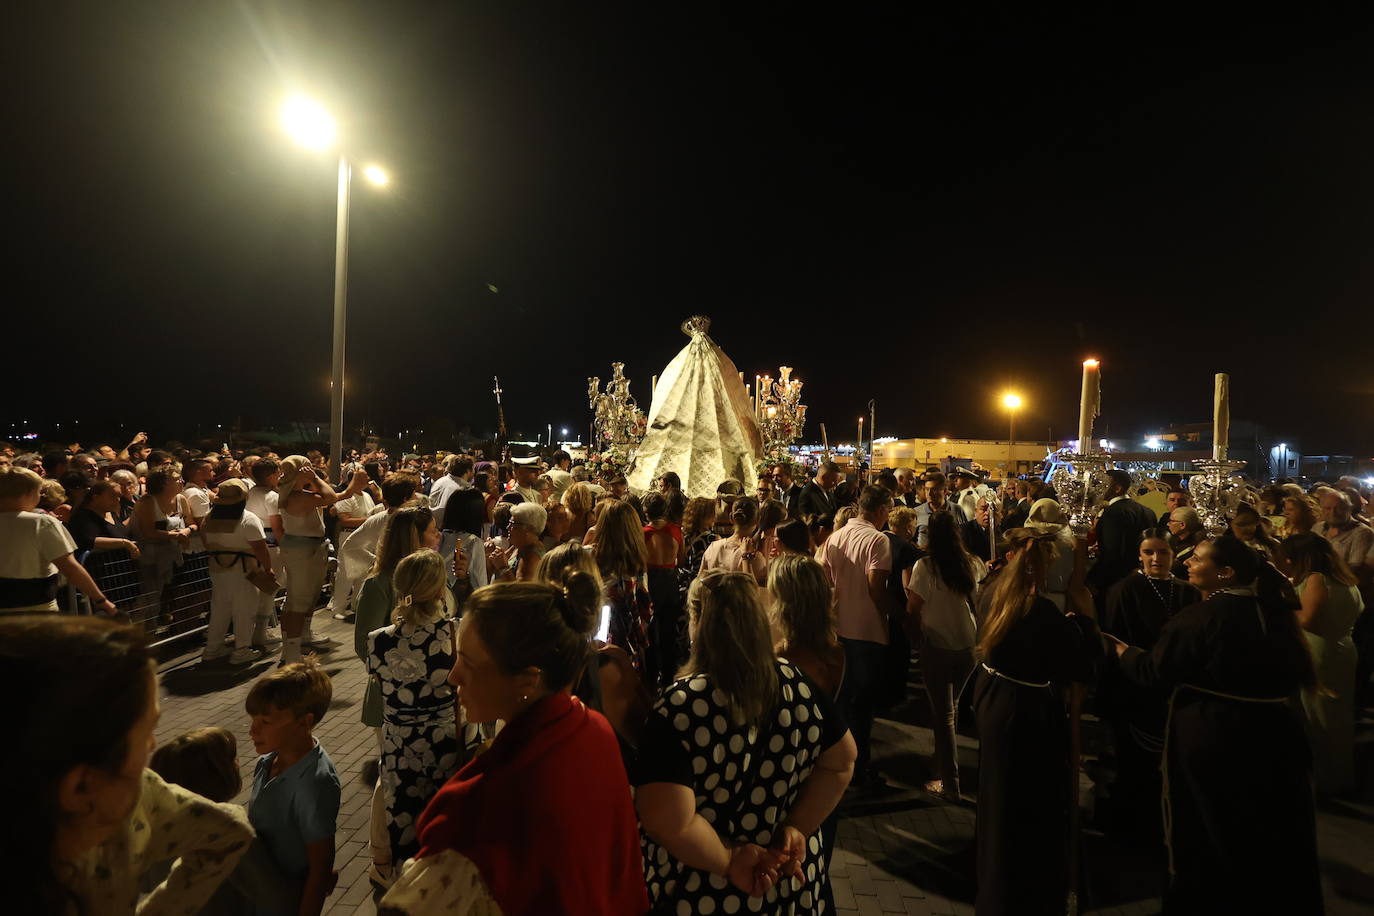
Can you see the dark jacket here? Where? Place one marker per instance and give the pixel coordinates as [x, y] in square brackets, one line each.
[1118, 542]
[814, 502]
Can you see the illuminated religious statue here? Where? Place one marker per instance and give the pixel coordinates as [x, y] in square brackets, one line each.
[701, 423]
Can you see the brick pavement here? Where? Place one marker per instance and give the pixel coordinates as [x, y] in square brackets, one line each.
[901, 852]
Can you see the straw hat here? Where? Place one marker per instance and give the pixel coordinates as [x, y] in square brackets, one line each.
[291, 467]
[231, 492]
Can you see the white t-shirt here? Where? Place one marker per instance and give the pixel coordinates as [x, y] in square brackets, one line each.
[200, 502]
[262, 502]
[561, 481]
[29, 542]
[359, 548]
[360, 504]
[947, 616]
[240, 539]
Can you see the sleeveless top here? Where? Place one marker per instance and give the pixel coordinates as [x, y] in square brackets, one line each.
[310, 525]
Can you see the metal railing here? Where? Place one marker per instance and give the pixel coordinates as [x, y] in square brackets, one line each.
[165, 607]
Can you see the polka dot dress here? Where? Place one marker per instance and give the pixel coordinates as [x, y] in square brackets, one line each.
[746, 780]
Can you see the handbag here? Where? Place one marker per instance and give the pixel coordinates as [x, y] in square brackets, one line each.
[263, 581]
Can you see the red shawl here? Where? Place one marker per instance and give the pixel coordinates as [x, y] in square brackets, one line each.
[546, 816]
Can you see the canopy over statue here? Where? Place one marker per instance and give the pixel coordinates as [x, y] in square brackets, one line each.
[700, 423]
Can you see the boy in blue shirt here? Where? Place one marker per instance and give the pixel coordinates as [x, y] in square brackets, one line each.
[295, 803]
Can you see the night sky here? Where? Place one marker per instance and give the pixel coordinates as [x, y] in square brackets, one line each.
[922, 208]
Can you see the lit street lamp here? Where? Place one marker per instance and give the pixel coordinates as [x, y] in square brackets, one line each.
[313, 128]
[1012, 402]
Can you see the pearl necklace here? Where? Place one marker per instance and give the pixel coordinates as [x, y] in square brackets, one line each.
[1167, 602]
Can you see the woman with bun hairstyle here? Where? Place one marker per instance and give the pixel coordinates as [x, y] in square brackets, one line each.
[542, 822]
[742, 551]
[1237, 795]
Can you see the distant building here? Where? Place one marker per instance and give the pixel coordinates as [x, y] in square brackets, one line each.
[1265, 455]
[946, 454]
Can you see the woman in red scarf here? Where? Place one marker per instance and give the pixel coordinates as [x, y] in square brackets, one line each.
[543, 821]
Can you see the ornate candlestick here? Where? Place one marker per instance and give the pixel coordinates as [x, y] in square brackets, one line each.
[619, 424]
[1217, 492]
[781, 414]
[1080, 483]
[1218, 489]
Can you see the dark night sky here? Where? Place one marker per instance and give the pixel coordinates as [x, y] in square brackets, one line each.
[839, 190]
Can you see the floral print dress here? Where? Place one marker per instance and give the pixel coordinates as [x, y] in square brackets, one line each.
[420, 748]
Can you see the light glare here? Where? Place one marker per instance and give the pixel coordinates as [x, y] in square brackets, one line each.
[1011, 400]
[376, 175]
[308, 123]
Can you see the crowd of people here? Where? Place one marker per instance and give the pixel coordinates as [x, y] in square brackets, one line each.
[587, 700]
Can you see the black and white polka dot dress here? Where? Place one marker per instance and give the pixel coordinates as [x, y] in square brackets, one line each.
[746, 781]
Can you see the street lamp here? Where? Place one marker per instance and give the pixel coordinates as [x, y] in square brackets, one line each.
[313, 128]
[1012, 402]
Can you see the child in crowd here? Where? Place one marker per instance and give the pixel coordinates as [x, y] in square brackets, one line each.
[295, 802]
[206, 761]
[34, 549]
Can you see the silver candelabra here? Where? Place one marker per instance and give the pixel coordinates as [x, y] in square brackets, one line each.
[1217, 492]
[1080, 484]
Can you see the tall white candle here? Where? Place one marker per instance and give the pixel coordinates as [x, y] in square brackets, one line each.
[1088, 405]
[1221, 417]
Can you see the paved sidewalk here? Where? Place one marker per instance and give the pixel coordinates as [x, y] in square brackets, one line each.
[901, 852]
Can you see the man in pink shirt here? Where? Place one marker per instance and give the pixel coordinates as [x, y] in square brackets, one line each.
[858, 559]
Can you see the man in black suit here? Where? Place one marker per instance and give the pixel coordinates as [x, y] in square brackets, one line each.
[787, 490]
[818, 496]
[1017, 509]
[977, 532]
[1118, 535]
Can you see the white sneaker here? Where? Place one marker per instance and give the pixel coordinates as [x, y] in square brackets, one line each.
[318, 642]
[245, 656]
[209, 658]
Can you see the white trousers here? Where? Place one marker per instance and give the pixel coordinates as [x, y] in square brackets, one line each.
[233, 599]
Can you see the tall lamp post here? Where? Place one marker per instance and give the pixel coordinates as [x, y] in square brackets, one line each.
[313, 128]
[1012, 402]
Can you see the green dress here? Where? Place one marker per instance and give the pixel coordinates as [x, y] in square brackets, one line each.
[376, 601]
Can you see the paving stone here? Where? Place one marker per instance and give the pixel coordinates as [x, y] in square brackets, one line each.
[903, 853]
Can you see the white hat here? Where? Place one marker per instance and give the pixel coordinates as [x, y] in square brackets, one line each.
[527, 462]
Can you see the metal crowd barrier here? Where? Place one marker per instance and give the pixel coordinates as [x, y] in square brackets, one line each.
[166, 610]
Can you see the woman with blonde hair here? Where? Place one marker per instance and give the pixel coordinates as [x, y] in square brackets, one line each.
[406, 531]
[579, 499]
[1027, 649]
[622, 557]
[410, 660]
[743, 759]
